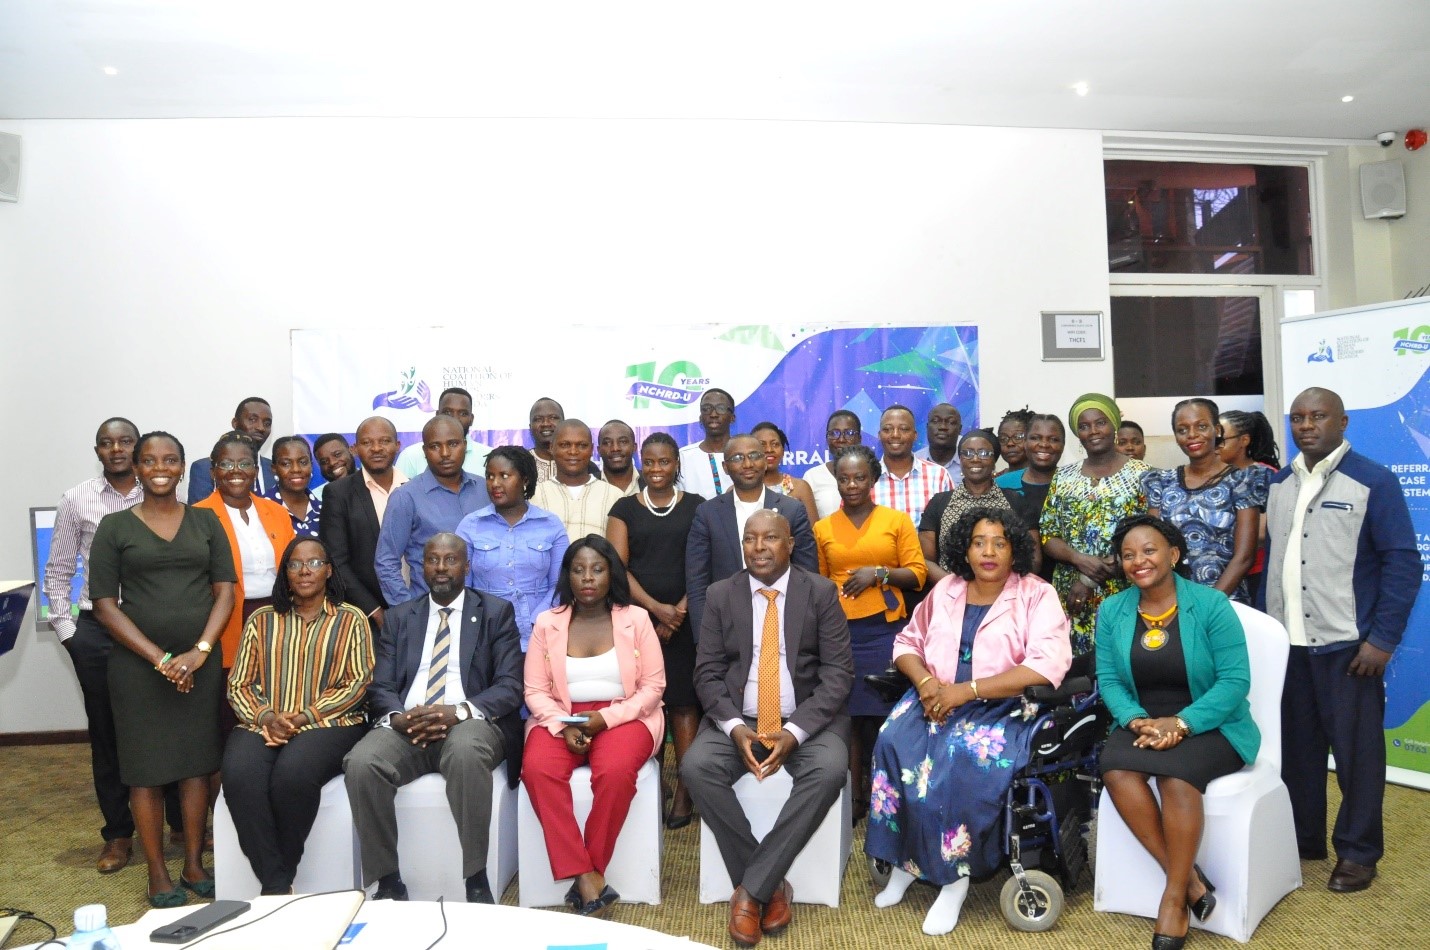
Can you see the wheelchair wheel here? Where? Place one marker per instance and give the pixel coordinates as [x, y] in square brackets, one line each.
[1035, 912]
[879, 872]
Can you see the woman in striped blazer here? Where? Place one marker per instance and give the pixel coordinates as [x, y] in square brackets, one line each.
[297, 686]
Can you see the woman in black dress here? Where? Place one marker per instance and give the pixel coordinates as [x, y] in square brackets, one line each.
[174, 569]
[649, 531]
[1173, 669]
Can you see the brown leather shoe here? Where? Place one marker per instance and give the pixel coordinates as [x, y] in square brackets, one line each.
[744, 918]
[115, 855]
[777, 912]
[1349, 877]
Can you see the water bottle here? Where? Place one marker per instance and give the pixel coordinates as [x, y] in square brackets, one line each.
[91, 929]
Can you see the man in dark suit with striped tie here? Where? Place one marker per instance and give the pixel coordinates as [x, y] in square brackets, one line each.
[444, 697]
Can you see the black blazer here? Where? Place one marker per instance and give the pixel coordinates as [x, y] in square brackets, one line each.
[348, 529]
[817, 652]
[714, 549]
[490, 657]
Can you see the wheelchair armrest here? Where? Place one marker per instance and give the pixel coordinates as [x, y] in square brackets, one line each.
[891, 684]
[1071, 687]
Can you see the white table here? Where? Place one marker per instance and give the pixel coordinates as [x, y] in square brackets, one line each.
[318, 922]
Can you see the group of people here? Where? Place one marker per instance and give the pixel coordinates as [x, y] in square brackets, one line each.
[532, 607]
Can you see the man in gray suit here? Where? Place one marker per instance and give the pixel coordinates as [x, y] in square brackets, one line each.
[712, 550]
[761, 717]
[444, 697]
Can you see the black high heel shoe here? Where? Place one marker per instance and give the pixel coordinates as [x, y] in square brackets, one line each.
[1164, 942]
[1202, 908]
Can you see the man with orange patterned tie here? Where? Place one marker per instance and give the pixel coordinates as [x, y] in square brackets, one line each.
[773, 671]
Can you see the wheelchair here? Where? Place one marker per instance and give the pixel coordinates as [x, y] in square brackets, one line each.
[1050, 803]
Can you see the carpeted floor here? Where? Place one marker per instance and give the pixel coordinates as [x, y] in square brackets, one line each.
[50, 842]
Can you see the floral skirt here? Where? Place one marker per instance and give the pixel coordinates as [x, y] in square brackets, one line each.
[936, 809]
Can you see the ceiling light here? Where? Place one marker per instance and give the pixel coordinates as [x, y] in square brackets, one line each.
[1081, 88]
[111, 71]
[1348, 98]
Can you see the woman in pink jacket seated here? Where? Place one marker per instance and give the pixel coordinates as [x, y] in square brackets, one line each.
[950, 748]
[594, 681]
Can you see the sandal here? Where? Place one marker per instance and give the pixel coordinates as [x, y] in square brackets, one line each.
[174, 898]
[204, 888]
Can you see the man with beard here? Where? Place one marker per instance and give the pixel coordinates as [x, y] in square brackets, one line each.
[444, 698]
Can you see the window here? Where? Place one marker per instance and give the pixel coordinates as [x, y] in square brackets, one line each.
[1207, 218]
[1186, 346]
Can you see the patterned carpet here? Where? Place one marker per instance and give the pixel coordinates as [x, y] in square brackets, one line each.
[49, 845]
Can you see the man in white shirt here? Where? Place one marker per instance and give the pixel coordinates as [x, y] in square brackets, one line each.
[701, 462]
[444, 698]
[773, 671]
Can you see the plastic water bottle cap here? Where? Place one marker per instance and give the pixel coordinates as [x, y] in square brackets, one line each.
[90, 917]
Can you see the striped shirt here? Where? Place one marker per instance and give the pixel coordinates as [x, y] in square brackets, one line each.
[911, 494]
[79, 513]
[286, 664]
[584, 514]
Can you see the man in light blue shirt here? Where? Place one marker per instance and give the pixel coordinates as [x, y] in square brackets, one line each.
[436, 500]
[457, 403]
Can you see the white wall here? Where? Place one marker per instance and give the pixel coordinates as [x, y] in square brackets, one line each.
[153, 268]
[1410, 235]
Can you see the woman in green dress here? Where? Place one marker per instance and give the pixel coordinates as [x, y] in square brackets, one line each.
[172, 567]
[1086, 501]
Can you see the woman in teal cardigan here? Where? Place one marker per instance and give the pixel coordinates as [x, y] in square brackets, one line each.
[1173, 671]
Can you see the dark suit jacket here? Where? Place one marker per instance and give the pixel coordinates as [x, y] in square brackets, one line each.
[817, 652]
[714, 549]
[348, 529]
[490, 656]
[201, 479]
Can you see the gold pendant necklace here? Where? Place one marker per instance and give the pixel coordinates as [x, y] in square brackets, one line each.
[1155, 636]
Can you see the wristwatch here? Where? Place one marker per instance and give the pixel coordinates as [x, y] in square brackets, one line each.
[882, 573]
[462, 712]
[203, 646]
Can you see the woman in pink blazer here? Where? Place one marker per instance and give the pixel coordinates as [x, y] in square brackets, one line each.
[594, 682]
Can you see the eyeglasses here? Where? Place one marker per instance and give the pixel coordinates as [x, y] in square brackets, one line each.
[1016, 437]
[971, 454]
[717, 408]
[228, 465]
[842, 434]
[312, 564]
[741, 457]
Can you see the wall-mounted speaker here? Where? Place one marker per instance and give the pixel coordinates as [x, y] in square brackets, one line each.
[9, 167]
[1382, 189]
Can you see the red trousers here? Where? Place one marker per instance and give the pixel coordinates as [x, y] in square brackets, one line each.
[616, 756]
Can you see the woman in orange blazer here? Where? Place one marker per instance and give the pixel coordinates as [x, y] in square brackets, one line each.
[234, 462]
[594, 681]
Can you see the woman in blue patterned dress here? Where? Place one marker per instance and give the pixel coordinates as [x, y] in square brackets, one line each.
[948, 751]
[1217, 506]
[1086, 501]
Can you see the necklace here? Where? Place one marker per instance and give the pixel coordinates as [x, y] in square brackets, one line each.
[1155, 637]
[651, 507]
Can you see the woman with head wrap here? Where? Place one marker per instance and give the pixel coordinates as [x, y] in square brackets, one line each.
[1085, 502]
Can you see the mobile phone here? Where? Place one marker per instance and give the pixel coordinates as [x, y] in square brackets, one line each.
[199, 922]
[575, 720]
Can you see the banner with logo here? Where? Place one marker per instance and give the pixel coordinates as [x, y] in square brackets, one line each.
[1376, 359]
[651, 378]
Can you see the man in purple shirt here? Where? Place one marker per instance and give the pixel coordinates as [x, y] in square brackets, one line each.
[436, 500]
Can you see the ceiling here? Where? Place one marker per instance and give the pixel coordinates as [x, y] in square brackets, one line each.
[1254, 67]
